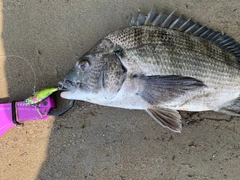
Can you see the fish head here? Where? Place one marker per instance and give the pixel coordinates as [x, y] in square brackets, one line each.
[83, 79]
[96, 76]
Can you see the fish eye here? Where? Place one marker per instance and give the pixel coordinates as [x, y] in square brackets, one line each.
[83, 65]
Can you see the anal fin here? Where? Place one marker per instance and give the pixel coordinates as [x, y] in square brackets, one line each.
[232, 108]
[168, 118]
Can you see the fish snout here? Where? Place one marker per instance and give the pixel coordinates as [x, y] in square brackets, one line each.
[68, 85]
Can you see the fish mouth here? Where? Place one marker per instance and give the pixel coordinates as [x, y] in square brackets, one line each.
[68, 85]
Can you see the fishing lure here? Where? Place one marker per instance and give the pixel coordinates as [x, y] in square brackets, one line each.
[40, 96]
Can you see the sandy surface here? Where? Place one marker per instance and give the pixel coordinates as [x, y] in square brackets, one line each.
[94, 142]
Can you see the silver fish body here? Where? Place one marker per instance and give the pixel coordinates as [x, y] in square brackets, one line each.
[161, 64]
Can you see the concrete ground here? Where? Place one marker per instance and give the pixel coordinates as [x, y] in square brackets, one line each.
[95, 142]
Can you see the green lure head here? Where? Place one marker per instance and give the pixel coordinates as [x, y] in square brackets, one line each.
[40, 96]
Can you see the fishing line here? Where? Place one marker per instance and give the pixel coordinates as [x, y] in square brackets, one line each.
[27, 61]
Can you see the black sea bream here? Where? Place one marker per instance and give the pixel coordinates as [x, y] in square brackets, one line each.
[160, 63]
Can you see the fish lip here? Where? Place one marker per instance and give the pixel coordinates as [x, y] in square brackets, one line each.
[68, 85]
[61, 86]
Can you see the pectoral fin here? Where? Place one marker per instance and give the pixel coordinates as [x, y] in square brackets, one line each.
[168, 118]
[157, 89]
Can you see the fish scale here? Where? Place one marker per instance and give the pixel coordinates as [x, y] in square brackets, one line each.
[161, 63]
[178, 40]
[168, 60]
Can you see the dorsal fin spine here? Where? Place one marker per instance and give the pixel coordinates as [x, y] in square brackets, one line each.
[169, 20]
[200, 31]
[185, 25]
[159, 19]
[188, 27]
[151, 15]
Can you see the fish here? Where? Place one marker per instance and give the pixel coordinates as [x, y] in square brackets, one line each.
[161, 63]
[39, 96]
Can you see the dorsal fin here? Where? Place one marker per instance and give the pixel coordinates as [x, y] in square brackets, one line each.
[187, 26]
